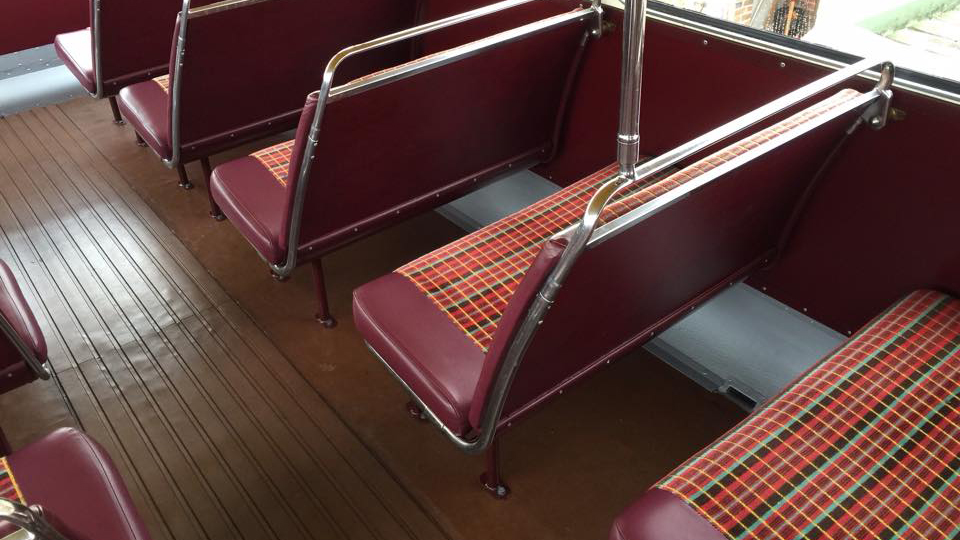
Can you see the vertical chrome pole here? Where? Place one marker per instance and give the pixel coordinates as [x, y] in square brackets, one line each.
[631, 79]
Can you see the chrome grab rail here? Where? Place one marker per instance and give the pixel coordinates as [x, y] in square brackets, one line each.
[217, 7]
[330, 94]
[97, 69]
[29, 519]
[631, 77]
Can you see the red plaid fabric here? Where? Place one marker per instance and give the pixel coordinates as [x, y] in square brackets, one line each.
[8, 485]
[277, 160]
[864, 446]
[164, 82]
[473, 279]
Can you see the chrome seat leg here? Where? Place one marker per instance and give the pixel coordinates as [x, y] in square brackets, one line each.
[184, 179]
[323, 308]
[491, 480]
[215, 211]
[115, 109]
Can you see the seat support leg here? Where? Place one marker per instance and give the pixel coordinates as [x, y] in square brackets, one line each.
[491, 480]
[184, 179]
[115, 109]
[140, 142]
[323, 309]
[215, 211]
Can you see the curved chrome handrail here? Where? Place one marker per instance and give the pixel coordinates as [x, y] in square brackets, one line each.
[328, 94]
[176, 89]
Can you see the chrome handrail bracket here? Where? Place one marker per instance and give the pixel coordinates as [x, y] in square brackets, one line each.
[878, 114]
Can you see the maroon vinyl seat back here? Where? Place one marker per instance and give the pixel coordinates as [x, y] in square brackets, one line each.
[422, 140]
[135, 39]
[79, 488]
[26, 334]
[249, 69]
[624, 289]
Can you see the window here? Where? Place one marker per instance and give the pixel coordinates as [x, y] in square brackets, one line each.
[922, 35]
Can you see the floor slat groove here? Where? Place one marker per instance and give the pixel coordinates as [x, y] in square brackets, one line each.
[217, 434]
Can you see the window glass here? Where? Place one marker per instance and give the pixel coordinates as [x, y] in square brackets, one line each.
[923, 35]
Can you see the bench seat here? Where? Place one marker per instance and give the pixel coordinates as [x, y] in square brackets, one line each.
[76, 51]
[76, 483]
[864, 445]
[471, 281]
[146, 106]
[459, 293]
[252, 192]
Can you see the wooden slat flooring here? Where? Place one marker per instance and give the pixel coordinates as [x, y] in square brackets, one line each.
[216, 433]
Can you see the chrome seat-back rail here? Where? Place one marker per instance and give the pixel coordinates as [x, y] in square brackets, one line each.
[329, 94]
[186, 14]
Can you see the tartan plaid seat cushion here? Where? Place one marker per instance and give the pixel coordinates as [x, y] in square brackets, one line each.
[473, 279]
[865, 445]
[164, 82]
[8, 484]
[276, 159]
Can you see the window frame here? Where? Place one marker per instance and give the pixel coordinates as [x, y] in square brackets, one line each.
[907, 79]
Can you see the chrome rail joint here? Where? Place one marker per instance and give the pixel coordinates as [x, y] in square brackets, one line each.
[631, 77]
[330, 94]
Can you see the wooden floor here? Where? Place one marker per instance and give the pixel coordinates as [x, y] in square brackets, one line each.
[175, 347]
[216, 433]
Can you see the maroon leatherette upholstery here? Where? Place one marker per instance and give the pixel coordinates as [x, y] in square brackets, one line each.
[15, 309]
[244, 77]
[512, 318]
[147, 107]
[624, 290]
[134, 43]
[76, 51]
[72, 477]
[251, 198]
[377, 162]
[254, 201]
[14, 370]
[441, 366]
[661, 515]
